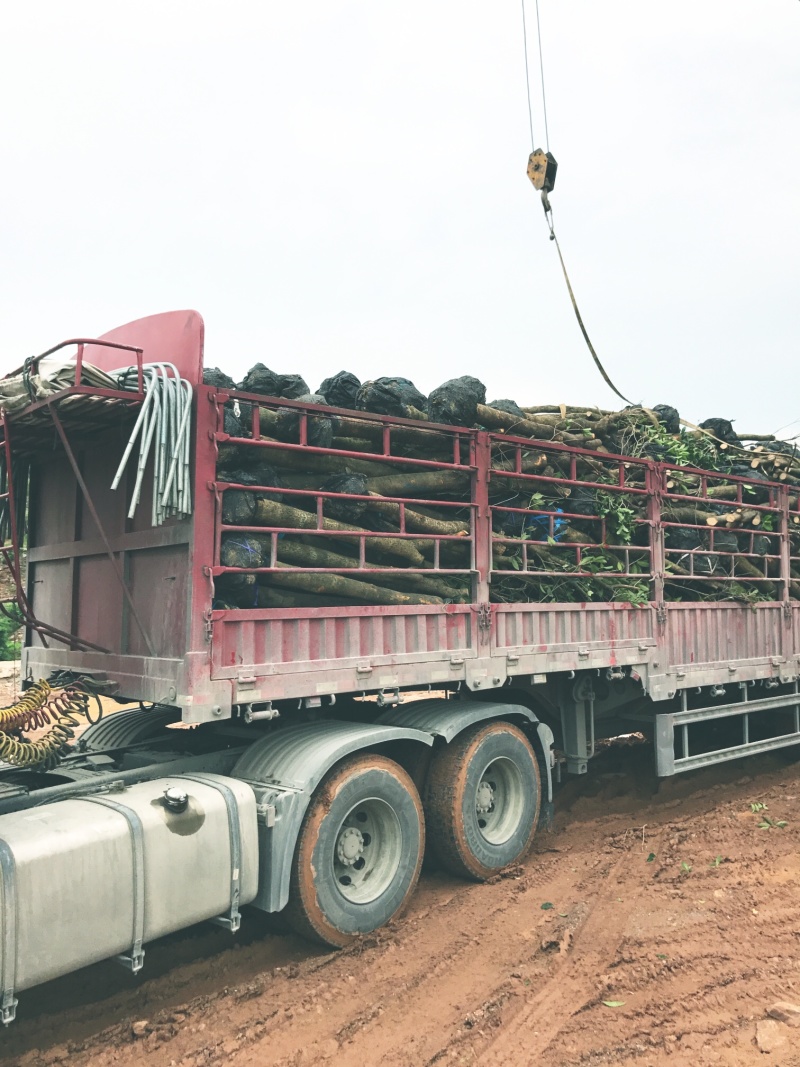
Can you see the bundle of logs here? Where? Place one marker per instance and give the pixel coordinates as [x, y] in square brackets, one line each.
[329, 536]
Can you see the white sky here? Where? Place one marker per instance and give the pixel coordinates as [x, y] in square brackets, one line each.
[342, 185]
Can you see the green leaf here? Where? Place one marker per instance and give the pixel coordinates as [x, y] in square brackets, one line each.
[613, 1003]
[686, 867]
[772, 824]
[547, 906]
[661, 955]
[651, 857]
[563, 915]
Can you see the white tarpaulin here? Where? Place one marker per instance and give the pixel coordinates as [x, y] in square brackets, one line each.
[49, 375]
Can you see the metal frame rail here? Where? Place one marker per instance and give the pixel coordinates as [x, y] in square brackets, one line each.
[677, 723]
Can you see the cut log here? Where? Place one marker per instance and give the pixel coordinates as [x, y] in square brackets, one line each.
[270, 513]
[339, 585]
[268, 596]
[304, 461]
[529, 464]
[570, 409]
[303, 554]
[690, 516]
[744, 569]
[353, 444]
[416, 522]
[409, 436]
[496, 419]
[423, 484]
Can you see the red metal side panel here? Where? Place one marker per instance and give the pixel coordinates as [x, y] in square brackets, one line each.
[296, 641]
[564, 627]
[705, 635]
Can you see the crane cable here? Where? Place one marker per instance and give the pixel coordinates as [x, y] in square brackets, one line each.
[548, 211]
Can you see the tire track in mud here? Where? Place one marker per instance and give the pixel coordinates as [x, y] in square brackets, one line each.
[451, 968]
[528, 1027]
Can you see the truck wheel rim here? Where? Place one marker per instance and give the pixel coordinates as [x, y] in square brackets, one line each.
[499, 801]
[368, 851]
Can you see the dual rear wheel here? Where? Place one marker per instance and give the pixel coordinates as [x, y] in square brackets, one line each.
[362, 842]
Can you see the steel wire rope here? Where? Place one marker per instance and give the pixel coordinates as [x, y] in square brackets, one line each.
[548, 211]
[541, 74]
[527, 74]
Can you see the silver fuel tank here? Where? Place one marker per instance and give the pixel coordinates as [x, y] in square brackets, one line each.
[93, 877]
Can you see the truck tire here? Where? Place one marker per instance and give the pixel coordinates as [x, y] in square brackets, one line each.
[359, 851]
[482, 800]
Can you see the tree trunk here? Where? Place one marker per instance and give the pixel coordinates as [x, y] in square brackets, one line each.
[339, 585]
[270, 513]
[424, 484]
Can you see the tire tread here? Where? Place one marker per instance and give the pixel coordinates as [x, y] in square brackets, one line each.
[446, 845]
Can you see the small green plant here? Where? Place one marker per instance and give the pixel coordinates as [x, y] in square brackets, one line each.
[547, 906]
[772, 824]
[619, 516]
[10, 635]
[757, 806]
[717, 860]
[596, 563]
[651, 857]
[613, 1003]
[632, 592]
[686, 867]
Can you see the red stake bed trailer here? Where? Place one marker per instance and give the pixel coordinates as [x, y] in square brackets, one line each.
[329, 779]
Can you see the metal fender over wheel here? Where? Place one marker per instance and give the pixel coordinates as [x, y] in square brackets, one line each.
[482, 800]
[359, 852]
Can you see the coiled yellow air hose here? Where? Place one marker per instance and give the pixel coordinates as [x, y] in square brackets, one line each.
[41, 706]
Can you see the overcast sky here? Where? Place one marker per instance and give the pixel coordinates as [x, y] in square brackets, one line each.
[342, 185]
